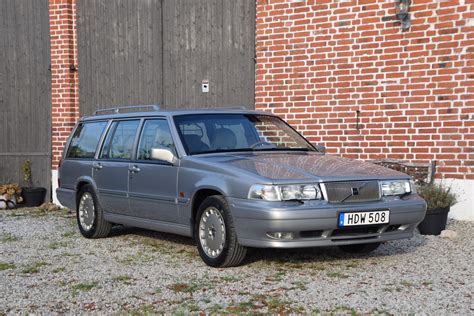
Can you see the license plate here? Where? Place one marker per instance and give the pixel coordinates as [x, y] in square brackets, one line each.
[363, 218]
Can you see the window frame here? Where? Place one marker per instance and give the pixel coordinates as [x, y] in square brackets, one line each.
[109, 129]
[137, 147]
[99, 143]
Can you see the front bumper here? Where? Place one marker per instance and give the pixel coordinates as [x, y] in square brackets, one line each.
[315, 223]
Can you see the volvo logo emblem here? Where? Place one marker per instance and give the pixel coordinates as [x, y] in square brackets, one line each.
[355, 191]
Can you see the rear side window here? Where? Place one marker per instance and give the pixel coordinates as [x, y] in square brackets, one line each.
[119, 141]
[85, 140]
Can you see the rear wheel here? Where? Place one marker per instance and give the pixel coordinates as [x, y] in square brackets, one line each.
[90, 217]
[215, 234]
[360, 248]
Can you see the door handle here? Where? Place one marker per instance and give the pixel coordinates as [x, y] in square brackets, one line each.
[134, 169]
[97, 165]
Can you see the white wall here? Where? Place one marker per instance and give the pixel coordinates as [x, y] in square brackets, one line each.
[54, 185]
[464, 209]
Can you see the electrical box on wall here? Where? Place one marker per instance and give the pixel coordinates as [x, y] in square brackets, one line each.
[205, 86]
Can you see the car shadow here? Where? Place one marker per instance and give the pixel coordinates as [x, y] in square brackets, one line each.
[121, 231]
[278, 256]
[331, 254]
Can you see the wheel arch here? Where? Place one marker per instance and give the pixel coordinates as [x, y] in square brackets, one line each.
[199, 196]
[83, 181]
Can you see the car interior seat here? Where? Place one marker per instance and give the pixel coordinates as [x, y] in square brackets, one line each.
[195, 144]
[224, 138]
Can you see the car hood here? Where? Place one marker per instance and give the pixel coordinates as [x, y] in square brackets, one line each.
[298, 166]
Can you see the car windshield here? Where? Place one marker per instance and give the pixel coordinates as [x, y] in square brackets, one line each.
[211, 133]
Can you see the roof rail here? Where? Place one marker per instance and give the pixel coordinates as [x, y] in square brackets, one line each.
[225, 108]
[128, 109]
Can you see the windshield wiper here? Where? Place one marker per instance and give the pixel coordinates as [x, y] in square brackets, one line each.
[218, 151]
[282, 149]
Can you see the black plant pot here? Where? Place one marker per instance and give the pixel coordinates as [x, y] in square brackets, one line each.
[434, 222]
[33, 196]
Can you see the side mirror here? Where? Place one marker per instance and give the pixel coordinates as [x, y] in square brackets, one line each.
[320, 148]
[163, 155]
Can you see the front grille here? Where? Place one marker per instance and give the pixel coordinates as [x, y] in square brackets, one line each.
[352, 191]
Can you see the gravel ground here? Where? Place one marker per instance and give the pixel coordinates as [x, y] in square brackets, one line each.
[46, 266]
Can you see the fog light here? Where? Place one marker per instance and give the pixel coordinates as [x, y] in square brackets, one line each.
[281, 235]
[404, 227]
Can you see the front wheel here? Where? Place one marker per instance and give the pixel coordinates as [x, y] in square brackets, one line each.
[360, 248]
[215, 234]
[90, 217]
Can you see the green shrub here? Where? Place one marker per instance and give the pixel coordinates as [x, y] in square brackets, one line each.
[437, 195]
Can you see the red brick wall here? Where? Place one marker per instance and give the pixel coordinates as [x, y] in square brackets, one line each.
[64, 78]
[319, 61]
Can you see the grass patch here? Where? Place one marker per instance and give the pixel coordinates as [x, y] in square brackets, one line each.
[142, 310]
[183, 287]
[214, 309]
[241, 308]
[191, 286]
[85, 287]
[380, 311]
[7, 237]
[68, 254]
[277, 277]
[69, 234]
[344, 310]
[139, 257]
[34, 267]
[57, 244]
[230, 279]
[58, 270]
[6, 266]
[186, 307]
[337, 275]
[298, 285]
[352, 264]
[162, 247]
[40, 213]
[407, 283]
[125, 279]
[257, 302]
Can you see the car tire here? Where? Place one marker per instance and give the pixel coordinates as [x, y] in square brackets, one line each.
[90, 216]
[215, 234]
[360, 248]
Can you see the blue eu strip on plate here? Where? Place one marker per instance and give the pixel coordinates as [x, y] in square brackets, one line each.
[341, 219]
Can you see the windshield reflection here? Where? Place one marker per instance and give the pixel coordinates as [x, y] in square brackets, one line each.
[215, 133]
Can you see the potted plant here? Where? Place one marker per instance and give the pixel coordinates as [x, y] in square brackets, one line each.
[32, 196]
[439, 200]
[10, 195]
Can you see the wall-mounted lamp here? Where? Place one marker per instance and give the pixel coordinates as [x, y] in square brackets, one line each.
[403, 6]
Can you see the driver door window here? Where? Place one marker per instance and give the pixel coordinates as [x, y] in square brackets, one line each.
[155, 134]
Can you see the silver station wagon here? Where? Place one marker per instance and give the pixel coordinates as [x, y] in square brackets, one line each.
[231, 179]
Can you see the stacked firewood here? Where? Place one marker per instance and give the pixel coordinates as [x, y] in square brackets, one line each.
[10, 192]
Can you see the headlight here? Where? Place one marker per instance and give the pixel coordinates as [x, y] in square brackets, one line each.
[285, 192]
[395, 187]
